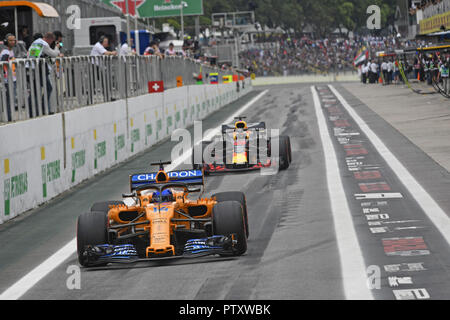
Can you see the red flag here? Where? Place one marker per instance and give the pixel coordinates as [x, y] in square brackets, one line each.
[155, 86]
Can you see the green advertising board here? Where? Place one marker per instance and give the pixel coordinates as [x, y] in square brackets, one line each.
[159, 8]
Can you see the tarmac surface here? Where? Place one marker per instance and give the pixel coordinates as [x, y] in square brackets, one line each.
[362, 213]
[423, 118]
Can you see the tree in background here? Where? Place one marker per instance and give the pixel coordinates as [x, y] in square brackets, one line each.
[323, 16]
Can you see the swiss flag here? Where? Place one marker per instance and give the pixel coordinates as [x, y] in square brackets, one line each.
[155, 86]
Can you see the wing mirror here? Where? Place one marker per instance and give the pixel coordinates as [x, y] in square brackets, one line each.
[193, 190]
[128, 195]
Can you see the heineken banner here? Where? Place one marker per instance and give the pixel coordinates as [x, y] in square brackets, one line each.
[158, 8]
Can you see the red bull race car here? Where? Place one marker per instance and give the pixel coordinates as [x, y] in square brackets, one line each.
[243, 146]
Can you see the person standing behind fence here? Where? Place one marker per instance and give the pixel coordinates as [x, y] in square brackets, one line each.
[384, 69]
[416, 68]
[125, 49]
[368, 73]
[427, 69]
[7, 55]
[373, 72]
[365, 73]
[25, 36]
[390, 71]
[445, 74]
[153, 49]
[99, 50]
[58, 40]
[396, 73]
[40, 48]
[171, 50]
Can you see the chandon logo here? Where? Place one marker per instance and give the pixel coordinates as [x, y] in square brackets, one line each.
[174, 174]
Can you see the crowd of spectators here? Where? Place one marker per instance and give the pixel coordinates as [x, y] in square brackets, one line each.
[188, 48]
[297, 56]
[38, 46]
[304, 55]
[428, 68]
[423, 4]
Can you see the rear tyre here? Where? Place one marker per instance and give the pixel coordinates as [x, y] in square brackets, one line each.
[235, 196]
[228, 218]
[91, 231]
[285, 155]
[104, 206]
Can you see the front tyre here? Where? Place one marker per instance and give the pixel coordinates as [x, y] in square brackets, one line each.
[228, 218]
[91, 231]
[235, 196]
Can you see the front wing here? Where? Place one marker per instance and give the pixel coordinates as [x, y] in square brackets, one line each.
[195, 248]
[215, 168]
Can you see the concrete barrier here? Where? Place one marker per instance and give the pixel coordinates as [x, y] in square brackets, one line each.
[43, 157]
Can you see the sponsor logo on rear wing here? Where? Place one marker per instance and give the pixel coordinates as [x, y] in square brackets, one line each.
[190, 177]
[250, 126]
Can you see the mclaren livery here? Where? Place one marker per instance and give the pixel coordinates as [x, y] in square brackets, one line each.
[158, 221]
[242, 146]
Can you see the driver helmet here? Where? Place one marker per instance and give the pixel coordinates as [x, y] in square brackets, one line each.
[167, 196]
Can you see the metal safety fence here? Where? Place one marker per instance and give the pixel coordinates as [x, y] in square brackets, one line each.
[31, 88]
[260, 46]
[224, 53]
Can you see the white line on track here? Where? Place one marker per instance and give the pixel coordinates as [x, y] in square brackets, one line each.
[353, 269]
[434, 212]
[19, 288]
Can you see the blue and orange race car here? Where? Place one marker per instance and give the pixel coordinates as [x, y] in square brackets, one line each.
[159, 220]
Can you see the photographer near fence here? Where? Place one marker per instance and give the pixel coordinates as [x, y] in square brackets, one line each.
[40, 48]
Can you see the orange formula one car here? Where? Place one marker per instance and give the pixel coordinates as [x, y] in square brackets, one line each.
[241, 147]
[158, 221]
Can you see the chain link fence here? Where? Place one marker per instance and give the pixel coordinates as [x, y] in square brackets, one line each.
[31, 88]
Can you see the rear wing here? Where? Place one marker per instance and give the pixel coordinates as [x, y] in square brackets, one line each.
[250, 126]
[189, 177]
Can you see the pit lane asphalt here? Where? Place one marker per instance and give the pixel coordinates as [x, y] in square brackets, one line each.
[292, 249]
